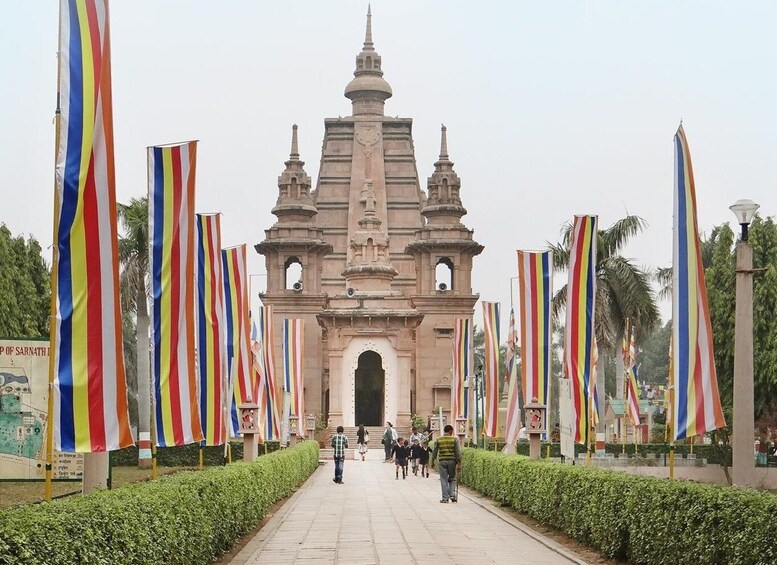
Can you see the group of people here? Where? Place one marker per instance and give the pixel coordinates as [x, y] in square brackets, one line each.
[414, 451]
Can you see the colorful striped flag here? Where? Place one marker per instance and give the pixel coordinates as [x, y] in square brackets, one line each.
[697, 408]
[632, 390]
[593, 388]
[233, 262]
[211, 329]
[462, 366]
[534, 280]
[171, 172]
[512, 342]
[264, 365]
[89, 385]
[513, 417]
[579, 339]
[491, 334]
[292, 369]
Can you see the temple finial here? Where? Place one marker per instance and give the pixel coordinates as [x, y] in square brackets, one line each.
[444, 144]
[294, 155]
[368, 45]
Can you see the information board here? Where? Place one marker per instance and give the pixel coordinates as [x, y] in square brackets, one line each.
[24, 396]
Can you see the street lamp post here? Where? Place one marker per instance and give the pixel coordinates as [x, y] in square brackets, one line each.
[743, 466]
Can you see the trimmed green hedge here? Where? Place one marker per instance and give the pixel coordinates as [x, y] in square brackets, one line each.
[642, 519]
[187, 518]
[186, 455]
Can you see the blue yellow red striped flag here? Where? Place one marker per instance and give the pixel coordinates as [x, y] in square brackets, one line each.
[534, 280]
[89, 386]
[292, 369]
[697, 408]
[171, 175]
[513, 416]
[233, 262]
[462, 366]
[579, 338]
[491, 334]
[211, 329]
[264, 365]
[632, 389]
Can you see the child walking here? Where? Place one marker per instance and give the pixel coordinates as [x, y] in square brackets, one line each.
[401, 452]
[415, 455]
[423, 460]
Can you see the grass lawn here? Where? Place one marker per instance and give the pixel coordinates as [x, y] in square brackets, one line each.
[15, 494]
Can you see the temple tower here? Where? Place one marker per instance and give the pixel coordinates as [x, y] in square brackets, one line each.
[370, 242]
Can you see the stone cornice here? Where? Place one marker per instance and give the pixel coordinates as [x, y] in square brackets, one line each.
[445, 302]
[314, 245]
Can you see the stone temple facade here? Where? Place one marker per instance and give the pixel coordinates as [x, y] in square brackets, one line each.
[377, 268]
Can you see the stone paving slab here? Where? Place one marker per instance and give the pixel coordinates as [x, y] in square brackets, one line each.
[374, 519]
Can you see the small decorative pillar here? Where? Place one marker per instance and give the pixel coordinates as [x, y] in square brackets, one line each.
[293, 430]
[461, 429]
[536, 425]
[249, 427]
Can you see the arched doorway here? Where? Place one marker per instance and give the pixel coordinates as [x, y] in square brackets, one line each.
[369, 388]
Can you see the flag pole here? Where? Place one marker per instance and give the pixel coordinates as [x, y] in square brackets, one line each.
[53, 302]
[670, 392]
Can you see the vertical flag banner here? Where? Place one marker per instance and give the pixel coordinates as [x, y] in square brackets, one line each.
[632, 390]
[579, 339]
[535, 290]
[462, 363]
[697, 408]
[491, 334]
[292, 370]
[593, 388]
[233, 262]
[513, 419]
[269, 418]
[171, 231]
[211, 329]
[89, 385]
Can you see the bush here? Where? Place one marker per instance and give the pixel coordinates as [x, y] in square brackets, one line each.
[187, 455]
[642, 519]
[189, 517]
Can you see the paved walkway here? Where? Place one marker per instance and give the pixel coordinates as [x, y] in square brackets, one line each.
[373, 518]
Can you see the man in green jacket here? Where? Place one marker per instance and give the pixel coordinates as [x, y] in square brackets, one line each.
[448, 452]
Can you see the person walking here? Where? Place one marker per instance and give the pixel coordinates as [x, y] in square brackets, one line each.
[389, 439]
[448, 453]
[423, 460]
[339, 444]
[362, 438]
[401, 452]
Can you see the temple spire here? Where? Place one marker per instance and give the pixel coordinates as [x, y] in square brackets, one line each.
[294, 155]
[444, 144]
[368, 91]
[368, 46]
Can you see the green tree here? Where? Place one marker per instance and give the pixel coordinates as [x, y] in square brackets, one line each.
[653, 355]
[25, 290]
[133, 256]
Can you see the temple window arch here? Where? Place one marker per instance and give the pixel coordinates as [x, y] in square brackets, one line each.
[294, 192]
[443, 274]
[292, 269]
[369, 62]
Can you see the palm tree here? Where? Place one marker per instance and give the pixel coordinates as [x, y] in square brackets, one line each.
[133, 255]
[623, 290]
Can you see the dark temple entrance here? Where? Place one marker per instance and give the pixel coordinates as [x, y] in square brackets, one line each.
[370, 383]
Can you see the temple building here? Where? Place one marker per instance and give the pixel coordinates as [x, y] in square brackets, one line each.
[377, 267]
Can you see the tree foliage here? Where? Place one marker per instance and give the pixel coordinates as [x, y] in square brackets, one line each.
[25, 287]
[721, 292]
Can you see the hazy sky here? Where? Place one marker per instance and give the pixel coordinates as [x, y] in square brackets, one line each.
[552, 108]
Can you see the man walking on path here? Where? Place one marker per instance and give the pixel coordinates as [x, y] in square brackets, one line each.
[448, 452]
[339, 444]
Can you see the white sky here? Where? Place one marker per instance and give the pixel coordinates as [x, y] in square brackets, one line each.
[552, 109]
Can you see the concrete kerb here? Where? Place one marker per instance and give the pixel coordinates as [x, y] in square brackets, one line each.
[487, 504]
[262, 536]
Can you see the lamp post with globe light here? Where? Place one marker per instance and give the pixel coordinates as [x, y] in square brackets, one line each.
[743, 465]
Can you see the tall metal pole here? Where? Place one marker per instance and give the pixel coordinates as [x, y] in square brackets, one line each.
[743, 468]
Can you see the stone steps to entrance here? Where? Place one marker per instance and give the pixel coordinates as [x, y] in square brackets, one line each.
[375, 447]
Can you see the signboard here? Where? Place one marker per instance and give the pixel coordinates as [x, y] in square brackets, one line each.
[24, 396]
[567, 418]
